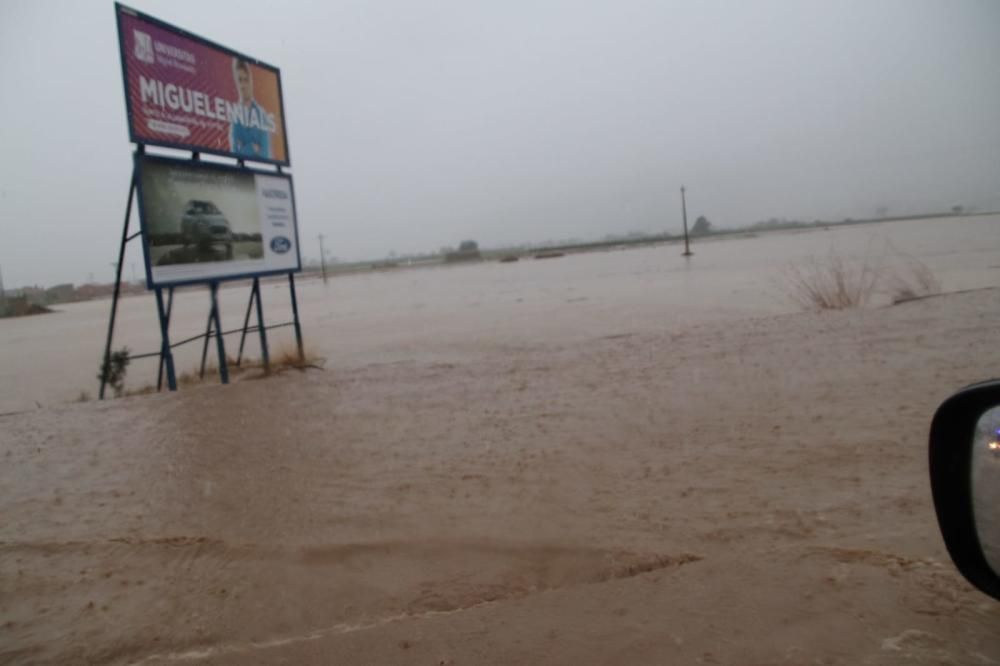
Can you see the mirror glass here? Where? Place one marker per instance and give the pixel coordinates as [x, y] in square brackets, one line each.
[986, 485]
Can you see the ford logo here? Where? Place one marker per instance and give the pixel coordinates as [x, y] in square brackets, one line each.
[280, 245]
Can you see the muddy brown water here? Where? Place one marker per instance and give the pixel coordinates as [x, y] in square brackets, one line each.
[609, 458]
[447, 313]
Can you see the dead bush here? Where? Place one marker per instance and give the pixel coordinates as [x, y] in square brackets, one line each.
[831, 282]
[912, 279]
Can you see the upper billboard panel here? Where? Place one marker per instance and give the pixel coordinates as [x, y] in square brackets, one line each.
[182, 91]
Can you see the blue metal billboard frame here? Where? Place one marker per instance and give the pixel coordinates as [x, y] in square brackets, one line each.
[163, 311]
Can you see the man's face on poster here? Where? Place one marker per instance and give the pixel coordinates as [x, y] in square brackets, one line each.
[244, 84]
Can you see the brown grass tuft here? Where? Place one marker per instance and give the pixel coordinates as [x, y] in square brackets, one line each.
[250, 368]
[835, 283]
[831, 282]
[913, 280]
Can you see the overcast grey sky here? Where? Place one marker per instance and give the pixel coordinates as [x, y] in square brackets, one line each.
[414, 125]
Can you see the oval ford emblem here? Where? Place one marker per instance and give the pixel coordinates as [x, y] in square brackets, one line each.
[280, 244]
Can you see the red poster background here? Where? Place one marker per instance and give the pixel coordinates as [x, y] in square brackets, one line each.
[194, 65]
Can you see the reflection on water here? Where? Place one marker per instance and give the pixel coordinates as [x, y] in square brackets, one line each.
[986, 485]
[448, 312]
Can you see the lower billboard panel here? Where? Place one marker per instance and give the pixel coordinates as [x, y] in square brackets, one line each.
[203, 222]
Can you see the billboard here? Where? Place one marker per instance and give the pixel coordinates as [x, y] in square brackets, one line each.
[203, 222]
[183, 91]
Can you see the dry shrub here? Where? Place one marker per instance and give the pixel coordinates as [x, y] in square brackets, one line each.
[249, 368]
[284, 359]
[252, 368]
[831, 282]
[912, 280]
[835, 283]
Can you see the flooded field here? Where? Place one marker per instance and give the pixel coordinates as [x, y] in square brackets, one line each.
[454, 312]
[608, 458]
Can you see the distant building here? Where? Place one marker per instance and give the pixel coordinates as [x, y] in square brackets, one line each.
[61, 293]
[87, 292]
[467, 251]
[20, 306]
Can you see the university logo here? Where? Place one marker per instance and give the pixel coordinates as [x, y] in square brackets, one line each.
[144, 47]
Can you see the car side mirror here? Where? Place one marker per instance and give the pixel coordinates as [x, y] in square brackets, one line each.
[965, 481]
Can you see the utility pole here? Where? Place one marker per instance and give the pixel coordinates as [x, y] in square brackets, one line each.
[322, 257]
[3, 296]
[684, 213]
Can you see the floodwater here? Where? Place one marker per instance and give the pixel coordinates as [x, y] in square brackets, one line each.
[448, 313]
[615, 457]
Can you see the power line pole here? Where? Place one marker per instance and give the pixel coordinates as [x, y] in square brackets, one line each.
[322, 257]
[684, 213]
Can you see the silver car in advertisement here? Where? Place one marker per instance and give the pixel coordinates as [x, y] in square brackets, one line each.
[203, 224]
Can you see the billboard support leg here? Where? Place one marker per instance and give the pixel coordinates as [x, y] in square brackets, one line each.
[208, 338]
[166, 355]
[219, 342]
[170, 307]
[295, 317]
[265, 356]
[246, 322]
[105, 365]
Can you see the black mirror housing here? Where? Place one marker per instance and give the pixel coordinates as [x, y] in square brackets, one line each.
[952, 437]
